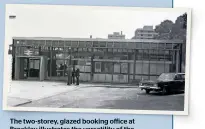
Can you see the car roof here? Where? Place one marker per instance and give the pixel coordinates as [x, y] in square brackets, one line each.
[174, 73]
[180, 73]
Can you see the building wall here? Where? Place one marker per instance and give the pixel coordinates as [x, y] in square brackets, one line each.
[142, 71]
[110, 63]
[116, 35]
[147, 32]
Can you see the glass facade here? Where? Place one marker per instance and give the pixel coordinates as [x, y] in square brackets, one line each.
[102, 60]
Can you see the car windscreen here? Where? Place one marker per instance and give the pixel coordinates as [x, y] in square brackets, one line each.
[166, 77]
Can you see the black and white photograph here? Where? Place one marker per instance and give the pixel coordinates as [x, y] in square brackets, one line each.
[101, 59]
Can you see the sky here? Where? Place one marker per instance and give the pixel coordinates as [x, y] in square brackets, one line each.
[81, 21]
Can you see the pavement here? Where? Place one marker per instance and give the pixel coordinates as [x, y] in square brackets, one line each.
[15, 101]
[27, 91]
[23, 92]
[112, 98]
[102, 96]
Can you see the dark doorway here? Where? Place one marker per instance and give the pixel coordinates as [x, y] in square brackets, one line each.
[33, 65]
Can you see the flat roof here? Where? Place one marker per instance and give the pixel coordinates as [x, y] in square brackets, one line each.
[99, 39]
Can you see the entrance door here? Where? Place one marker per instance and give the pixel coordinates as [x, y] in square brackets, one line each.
[31, 67]
[34, 68]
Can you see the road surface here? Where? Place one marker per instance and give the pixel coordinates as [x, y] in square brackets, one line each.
[111, 98]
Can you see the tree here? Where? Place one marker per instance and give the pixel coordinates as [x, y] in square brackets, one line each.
[180, 27]
[177, 30]
[180, 33]
[169, 30]
[164, 30]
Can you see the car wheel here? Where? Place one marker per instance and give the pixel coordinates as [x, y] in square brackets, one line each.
[164, 91]
[147, 91]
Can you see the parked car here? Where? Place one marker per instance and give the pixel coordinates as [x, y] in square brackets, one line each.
[166, 83]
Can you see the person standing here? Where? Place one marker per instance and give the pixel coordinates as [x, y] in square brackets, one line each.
[73, 76]
[61, 69]
[69, 76]
[77, 76]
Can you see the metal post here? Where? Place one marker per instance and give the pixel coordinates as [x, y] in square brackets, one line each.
[149, 63]
[134, 65]
[180, 58]
[177, 61]
[128, 71]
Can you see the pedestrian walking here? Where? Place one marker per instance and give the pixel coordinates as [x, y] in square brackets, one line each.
[77, 74]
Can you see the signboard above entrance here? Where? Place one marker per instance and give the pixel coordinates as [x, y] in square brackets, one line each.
[29, 52]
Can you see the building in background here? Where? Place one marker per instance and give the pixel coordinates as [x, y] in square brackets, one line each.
[99, 60]
[116, 35]
[147, 32]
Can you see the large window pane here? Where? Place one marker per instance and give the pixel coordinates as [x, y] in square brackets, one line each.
[60, 67]
[138, 68]
[153, 68]
[167, 68]
[117, 45]
[146, 55]
[160, 68]
[124, 67]
[116, 67]
[124, 45]
[110, 44]
[161, 45]
[146, 45]
[153, 55]
[168, 46]
[74, 43]
[48, 43]
[139, 54]
[167, 56]
[153, 46]
[107, 67]
[98, 67]
[61, 43]
[109, 49]
[131, 45]
[102, 44]
[161, 55]
[145, 68]
[139, 45]
[55, 44]
[82, 44]
[59, 53]
[88, 44]
[131, 68]
[68, 43]
[95, 44]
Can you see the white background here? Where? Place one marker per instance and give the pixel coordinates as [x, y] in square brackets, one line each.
[196, 118]
[70, 22]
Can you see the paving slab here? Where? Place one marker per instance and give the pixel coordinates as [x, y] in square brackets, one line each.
[34, 90]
